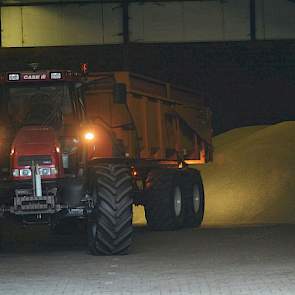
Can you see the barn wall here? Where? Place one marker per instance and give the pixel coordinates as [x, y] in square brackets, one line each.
[61, 25]
[275, 19]
[243, 82]
[150, 22]
[189, 21]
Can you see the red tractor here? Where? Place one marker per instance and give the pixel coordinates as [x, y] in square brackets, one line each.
[89, 148]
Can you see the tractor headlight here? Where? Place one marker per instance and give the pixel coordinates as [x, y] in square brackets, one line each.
[53, 171]
[44, 171]
[15, 172]
[25, 172]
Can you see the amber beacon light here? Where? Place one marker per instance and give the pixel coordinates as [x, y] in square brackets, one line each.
[89, 136]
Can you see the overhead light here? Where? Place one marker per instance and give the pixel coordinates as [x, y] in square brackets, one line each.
[55, 76]
[13, 77]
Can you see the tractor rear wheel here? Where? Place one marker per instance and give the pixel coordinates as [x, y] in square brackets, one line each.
[164, 203]
[194, 200]
[110, 225]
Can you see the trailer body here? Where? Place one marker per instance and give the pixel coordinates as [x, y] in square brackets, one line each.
[155, 121]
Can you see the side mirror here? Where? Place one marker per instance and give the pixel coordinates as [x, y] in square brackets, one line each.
[120, 93]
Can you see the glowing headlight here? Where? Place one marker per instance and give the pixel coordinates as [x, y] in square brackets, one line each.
[89, 136]
[25, 172]
[15, 172]
[44, 171]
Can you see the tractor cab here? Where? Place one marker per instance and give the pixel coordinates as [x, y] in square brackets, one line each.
[38, 110]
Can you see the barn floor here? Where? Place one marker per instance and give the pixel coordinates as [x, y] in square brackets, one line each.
[212, 260]
[244, 260]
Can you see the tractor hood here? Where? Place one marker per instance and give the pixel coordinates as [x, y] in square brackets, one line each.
[34, 140]
[39, 145]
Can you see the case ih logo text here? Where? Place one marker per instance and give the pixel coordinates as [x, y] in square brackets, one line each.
[34, 76]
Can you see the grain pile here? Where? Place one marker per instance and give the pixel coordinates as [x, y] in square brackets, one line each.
[252, 179]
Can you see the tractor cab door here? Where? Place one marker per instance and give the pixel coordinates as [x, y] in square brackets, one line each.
[73, 117]
[73, 109]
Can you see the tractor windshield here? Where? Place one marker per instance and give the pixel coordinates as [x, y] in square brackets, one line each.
[38, 104]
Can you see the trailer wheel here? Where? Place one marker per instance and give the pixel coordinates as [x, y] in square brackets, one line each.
[110, 224]
[194, 199]
[164, 205]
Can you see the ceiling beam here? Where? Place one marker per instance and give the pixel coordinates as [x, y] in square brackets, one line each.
[253, 20]
[70, 2]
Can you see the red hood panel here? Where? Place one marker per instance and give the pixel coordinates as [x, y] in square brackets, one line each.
[35, 135]
[34, 149]
[34, 141]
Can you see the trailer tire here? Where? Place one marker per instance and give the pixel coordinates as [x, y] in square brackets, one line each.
[164, 206]
[194, 198]
[110, 224]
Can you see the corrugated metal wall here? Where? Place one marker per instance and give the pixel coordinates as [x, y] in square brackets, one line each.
[275, 19]
[61, 25]
[189, 21]
[179, 21]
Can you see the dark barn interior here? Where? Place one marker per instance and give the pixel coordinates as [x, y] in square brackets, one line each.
[245, 83]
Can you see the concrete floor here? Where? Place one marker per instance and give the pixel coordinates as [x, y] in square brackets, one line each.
[248, 260]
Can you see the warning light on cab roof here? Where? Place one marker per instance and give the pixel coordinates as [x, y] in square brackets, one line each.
[55, 76]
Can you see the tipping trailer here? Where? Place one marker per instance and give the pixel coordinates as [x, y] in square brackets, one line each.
[89, 147]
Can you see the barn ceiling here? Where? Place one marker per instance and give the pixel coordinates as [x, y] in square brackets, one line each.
[47, 2]
[50, 2]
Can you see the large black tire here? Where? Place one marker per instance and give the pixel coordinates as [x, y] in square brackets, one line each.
[164, 205]
[194, 198]
[110, 226]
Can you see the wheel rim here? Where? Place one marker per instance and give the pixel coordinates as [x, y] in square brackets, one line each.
[196, 198]
[177, 201]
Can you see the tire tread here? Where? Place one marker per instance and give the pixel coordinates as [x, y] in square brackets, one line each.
[113, 211]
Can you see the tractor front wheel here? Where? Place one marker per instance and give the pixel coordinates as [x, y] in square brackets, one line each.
[110, 224]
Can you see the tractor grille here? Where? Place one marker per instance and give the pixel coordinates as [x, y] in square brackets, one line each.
[40, 160]
[33, 203]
